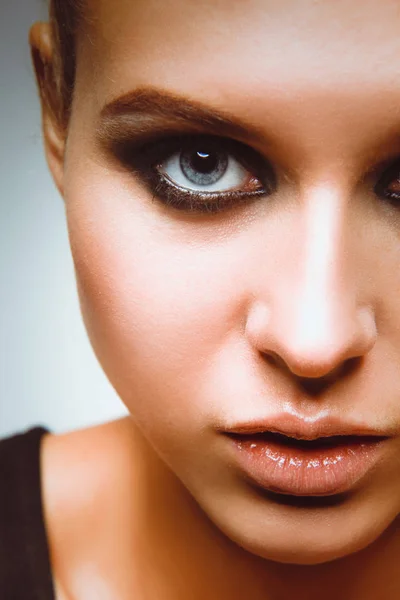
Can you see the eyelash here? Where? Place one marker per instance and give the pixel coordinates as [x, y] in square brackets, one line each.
[144, 161]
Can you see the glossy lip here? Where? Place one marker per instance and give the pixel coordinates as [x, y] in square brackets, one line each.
[282, 466]
[305, 429]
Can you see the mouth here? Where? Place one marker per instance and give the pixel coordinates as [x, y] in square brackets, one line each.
[304, 444]
[303, 463]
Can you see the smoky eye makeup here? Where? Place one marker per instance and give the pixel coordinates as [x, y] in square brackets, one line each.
[388, 185]
[196, 173]
[166, 145]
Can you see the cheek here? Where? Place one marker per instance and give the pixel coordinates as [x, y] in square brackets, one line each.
[159, 308]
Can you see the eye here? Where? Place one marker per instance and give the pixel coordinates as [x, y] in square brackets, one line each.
[388, 185]
[207, 167]
[202, 173]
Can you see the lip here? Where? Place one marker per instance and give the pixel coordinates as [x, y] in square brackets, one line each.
[299, 457]
[306, 428]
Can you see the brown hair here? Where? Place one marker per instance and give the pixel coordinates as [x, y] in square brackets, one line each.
[63, 17]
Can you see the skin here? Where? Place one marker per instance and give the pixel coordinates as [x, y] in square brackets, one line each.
[288, 302]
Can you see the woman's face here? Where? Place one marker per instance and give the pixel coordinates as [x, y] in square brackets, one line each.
[275, 298]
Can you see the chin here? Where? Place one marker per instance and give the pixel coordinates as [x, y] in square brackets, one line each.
[297, 533]
[298, 554]
[316, 548]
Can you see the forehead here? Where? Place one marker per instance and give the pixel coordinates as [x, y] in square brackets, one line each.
[286, 39]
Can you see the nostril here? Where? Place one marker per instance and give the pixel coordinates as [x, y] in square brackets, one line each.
[314, 386]
[274, 359]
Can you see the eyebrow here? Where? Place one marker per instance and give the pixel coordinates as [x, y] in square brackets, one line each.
[147, 109]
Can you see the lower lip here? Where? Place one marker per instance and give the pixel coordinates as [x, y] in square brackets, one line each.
[299, 471]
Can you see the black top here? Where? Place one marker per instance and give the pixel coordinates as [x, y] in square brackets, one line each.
[25, 572]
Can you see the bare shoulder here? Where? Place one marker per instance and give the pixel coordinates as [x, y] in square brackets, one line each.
[76, 465]
[87, 477]
[83, 468]
[76, 453]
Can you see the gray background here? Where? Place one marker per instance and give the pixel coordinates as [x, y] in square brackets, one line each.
[48, 372]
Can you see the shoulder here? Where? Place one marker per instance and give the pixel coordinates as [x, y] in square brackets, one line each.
[74, 462]
[81, 469]
[87, 476]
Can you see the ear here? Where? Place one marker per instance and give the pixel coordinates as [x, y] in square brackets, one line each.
[48, 77]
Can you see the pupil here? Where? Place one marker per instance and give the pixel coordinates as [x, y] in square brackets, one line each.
[204, 167]
[204, 162]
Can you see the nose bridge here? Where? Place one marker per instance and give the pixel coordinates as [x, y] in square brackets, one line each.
[321, 296]
[316, 320]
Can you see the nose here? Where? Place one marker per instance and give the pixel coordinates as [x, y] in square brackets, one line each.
[312, 317]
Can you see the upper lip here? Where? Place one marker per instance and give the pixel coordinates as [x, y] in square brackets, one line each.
[305, 429]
